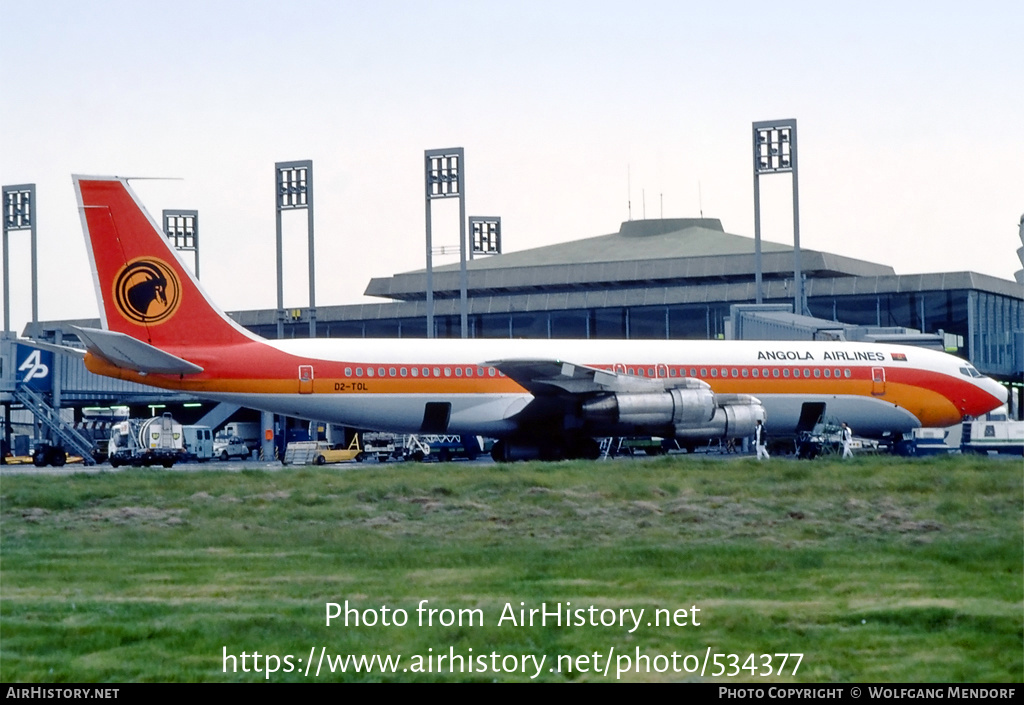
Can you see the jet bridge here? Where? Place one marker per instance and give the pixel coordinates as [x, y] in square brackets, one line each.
[778, 322]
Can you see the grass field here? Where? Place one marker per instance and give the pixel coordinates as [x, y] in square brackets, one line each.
[875, 570]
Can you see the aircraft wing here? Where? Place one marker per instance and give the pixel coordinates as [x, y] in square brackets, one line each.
[558, 378]
[570, 398]
[128, 353]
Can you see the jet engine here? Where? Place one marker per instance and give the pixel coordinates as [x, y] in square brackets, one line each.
[688, 412]
[735, 416]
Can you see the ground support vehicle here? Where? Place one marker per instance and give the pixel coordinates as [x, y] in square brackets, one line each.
[381, 445]
[98, 433]
[45, 454]
[96, 424]
[923, 442]
[227, 447]
[155, 441]
[826, 438]
[415, 448]
[441, 447]
[322, 453]
[993, 432]
[198, 442]
[643, 445]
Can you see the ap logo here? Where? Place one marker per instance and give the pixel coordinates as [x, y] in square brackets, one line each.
[34, 366]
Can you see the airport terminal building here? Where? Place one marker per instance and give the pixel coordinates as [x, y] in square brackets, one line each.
[677, 279]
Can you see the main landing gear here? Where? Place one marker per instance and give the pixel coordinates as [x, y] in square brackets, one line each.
[510, 450]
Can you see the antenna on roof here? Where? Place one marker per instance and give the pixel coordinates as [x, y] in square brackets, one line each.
[700, 200]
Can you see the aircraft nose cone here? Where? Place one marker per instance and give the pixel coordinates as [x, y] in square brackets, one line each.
[999, 392]
[990, 395]
[998, 395]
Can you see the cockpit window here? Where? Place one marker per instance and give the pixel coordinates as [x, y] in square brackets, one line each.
[970, 371]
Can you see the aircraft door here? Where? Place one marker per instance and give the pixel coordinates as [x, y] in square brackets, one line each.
[811, 413]
[662, 371]
[436, 415]
[878, 381]
[620, 369]
[305, 379]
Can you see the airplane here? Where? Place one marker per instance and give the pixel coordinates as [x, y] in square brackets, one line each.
[545, 399]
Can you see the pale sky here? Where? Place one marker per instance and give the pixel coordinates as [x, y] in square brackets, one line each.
[911, 127]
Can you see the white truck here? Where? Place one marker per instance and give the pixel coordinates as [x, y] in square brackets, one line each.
[155, 441]
[198, 442]
[993, 432]
[250, 432]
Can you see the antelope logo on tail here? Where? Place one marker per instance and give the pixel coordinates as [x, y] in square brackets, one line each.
[147, 291]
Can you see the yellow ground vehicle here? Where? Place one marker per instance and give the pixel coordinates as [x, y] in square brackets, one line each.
[322, 453]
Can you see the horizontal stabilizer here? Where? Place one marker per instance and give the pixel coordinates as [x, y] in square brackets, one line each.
[59, 349]
[128, 353]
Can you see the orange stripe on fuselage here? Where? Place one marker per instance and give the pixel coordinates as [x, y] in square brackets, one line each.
[209, 382]
[936, 399]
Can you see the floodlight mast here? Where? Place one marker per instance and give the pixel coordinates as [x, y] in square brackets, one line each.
[775, 152]
[294, 191]
[20, 214]
[485, 235]
[181, 227]
[445, 177]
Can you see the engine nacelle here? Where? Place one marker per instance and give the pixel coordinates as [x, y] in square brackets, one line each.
[654, 411]
[691, 412]
[736, 417]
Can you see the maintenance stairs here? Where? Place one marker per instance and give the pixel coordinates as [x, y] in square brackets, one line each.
[609, 446]
[72, 441]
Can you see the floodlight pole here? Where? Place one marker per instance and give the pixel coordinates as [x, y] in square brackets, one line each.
[775, 152]
[181, 227]
[798, 275]
[759, 297]
[20, 214]
[294, 191]
[444, 177]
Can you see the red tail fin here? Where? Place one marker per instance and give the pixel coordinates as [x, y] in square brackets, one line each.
[143, 288]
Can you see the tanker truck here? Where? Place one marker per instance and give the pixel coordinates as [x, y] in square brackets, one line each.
[155, 441]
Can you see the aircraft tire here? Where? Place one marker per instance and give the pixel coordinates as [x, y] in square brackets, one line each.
[471, 447]
[585, 449]
[498, 452]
